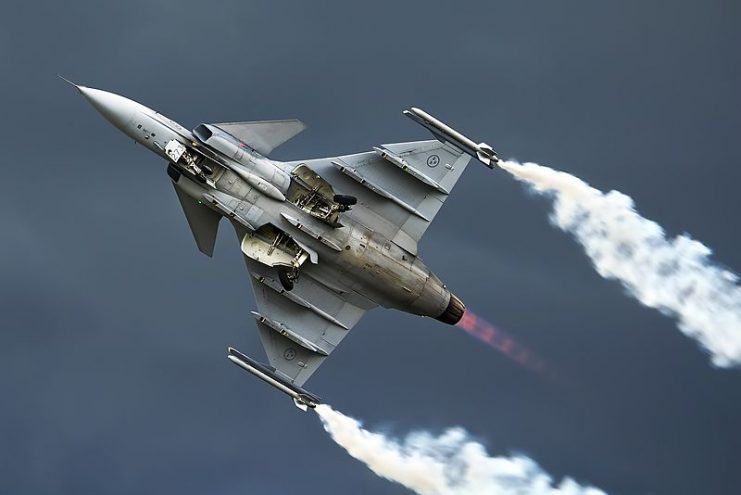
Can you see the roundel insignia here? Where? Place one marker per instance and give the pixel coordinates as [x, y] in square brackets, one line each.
[433, 161]
[289, 353]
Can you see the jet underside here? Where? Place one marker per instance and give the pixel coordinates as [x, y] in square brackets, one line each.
[324, 240]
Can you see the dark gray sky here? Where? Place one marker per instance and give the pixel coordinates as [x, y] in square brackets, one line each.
[112, 341]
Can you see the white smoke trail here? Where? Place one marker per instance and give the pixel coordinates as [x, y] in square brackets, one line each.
[450, 464]
[675, 276]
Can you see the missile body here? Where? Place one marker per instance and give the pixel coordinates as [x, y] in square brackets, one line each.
[302, 398]
[481, 151]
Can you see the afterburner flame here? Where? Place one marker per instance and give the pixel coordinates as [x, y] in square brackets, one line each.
[501, 341]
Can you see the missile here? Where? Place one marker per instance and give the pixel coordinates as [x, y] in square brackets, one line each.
[302, 398]
[443, 132]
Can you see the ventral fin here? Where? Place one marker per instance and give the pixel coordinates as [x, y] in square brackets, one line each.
[203, 221]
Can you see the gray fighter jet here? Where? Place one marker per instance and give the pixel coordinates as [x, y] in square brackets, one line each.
[324, 240]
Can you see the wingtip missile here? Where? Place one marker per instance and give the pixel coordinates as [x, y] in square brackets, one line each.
[303, 399]
[444, 133]
[487, 155]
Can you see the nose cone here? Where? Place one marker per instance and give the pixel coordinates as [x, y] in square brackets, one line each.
[115, 108]
[118, 110]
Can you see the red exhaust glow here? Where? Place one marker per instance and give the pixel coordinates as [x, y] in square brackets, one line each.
[497, 339]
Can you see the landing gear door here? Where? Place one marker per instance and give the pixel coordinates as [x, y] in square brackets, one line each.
[174, 150]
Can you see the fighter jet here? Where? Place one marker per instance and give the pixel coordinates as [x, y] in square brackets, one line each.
[324, 240]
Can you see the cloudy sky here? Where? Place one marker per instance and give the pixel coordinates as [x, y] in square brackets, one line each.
[113, 332]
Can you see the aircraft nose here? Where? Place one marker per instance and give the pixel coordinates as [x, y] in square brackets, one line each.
[115, 108]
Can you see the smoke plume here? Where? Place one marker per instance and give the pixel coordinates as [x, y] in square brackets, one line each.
[674, 276]
[451, 464]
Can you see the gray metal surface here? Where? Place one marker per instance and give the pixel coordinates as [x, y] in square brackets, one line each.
[395, 202]
[312, 310]
[203, 221]
[317, 261]
[265, 135]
